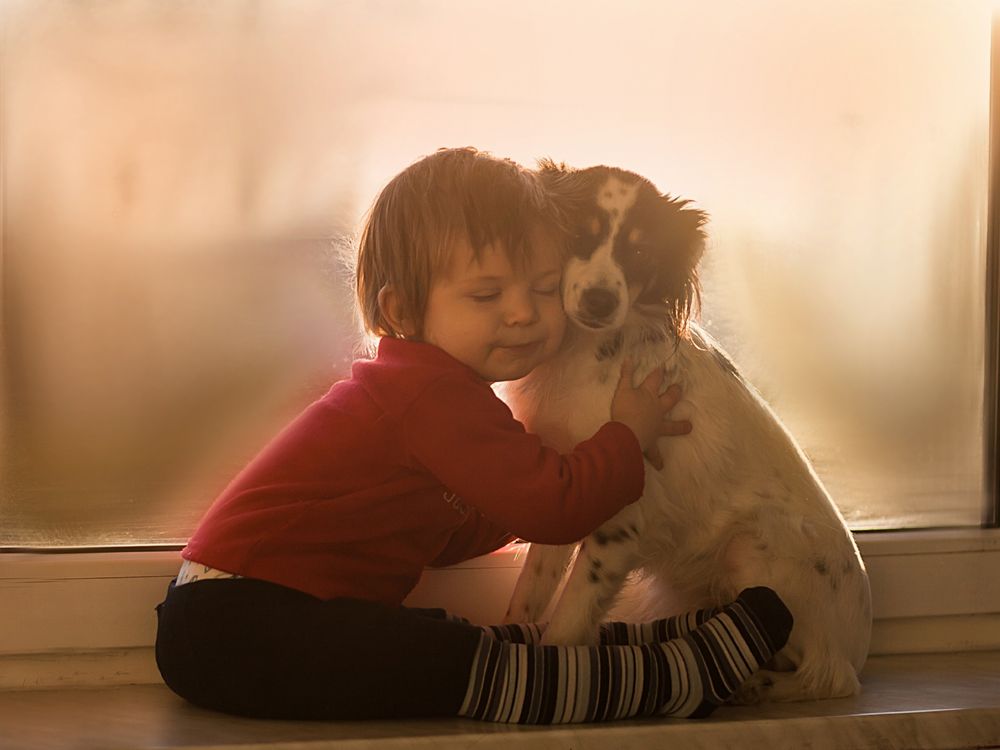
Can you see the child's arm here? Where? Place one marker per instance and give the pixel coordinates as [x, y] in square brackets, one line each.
[477, 536]
[460, 432]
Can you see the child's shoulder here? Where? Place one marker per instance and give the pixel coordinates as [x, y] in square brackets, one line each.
[404, 372]
[411, 363]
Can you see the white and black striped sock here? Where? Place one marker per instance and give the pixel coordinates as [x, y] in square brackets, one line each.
[612, 633]
[654, 631]
[686, 676]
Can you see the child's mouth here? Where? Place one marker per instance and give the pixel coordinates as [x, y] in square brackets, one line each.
[521, 349]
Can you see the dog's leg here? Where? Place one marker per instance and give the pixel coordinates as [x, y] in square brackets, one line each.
[833, 679]
[829, 598]
[543, 570]
[605, 559]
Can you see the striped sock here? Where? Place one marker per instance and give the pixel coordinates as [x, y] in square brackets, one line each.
[654, 631]
[687, 676]
[516, 632]
[612, 633]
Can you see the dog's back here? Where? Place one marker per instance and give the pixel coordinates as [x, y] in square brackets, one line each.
[741, 506]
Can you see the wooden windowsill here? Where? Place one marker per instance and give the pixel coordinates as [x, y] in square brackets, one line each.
[926, 701]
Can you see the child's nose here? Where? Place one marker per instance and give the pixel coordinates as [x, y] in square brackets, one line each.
[522, 309]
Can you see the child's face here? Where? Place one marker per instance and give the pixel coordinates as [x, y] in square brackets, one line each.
[500, 320]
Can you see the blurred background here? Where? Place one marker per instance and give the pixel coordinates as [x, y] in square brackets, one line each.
[179, 181]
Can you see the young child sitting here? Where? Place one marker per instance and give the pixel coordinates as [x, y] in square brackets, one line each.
[288, 603]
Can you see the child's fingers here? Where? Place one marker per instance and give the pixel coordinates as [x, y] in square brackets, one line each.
[679, 427]
[653, 380]
[628, 368]
[671, 397]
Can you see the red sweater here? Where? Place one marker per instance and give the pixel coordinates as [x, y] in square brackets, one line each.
[413, 461]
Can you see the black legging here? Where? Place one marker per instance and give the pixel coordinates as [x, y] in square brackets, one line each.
[258, 649]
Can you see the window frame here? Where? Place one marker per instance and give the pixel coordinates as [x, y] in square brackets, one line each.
[991, 390]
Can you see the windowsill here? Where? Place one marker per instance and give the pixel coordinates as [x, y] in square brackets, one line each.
[86, 619]
[925, 702]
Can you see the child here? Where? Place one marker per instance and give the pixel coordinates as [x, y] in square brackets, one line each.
[288, 604]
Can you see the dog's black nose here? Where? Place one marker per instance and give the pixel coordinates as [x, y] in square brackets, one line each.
[598, 303]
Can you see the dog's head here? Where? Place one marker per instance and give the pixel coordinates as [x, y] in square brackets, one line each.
[630, 247]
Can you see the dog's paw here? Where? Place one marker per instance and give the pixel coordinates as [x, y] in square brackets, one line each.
[755, 690]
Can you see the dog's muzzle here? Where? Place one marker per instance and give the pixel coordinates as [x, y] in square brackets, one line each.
[597, 306]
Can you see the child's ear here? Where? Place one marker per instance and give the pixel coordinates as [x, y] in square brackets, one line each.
[391, 308]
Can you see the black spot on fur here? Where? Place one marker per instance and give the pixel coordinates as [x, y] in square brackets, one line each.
[594, 578]
[820, 567]
[762, 547]
[596, 564]
[609, 348]
[590, 234]
[611, 537]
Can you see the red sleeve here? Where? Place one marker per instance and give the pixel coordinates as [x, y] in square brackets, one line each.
[477, 536]
[459, 431]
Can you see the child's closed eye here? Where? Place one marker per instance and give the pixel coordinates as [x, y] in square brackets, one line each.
[547, 290]
[484, 296]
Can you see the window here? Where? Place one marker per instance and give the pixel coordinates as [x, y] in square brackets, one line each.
[178, 178]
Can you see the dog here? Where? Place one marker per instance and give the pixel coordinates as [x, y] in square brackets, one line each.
[736, 502]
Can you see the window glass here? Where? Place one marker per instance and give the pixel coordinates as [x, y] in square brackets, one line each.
[179, 177]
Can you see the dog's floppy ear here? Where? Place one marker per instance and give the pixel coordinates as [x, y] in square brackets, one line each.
[684, 235]
[547, 167]
[568, 186]
[571, 191]
[571, 194]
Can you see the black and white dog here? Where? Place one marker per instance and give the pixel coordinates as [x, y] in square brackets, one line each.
[736, 503]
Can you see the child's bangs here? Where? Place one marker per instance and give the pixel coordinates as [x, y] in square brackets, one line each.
[504, 215]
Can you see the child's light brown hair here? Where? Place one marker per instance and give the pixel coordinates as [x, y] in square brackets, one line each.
[453, 194]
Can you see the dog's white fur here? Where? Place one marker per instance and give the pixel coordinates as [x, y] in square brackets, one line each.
[736, 503]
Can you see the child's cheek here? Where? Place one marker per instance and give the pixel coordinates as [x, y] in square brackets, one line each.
[558, 328]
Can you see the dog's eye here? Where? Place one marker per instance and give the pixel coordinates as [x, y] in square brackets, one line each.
[583, 245]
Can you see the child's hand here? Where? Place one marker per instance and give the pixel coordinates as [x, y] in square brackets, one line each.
[646, 411]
